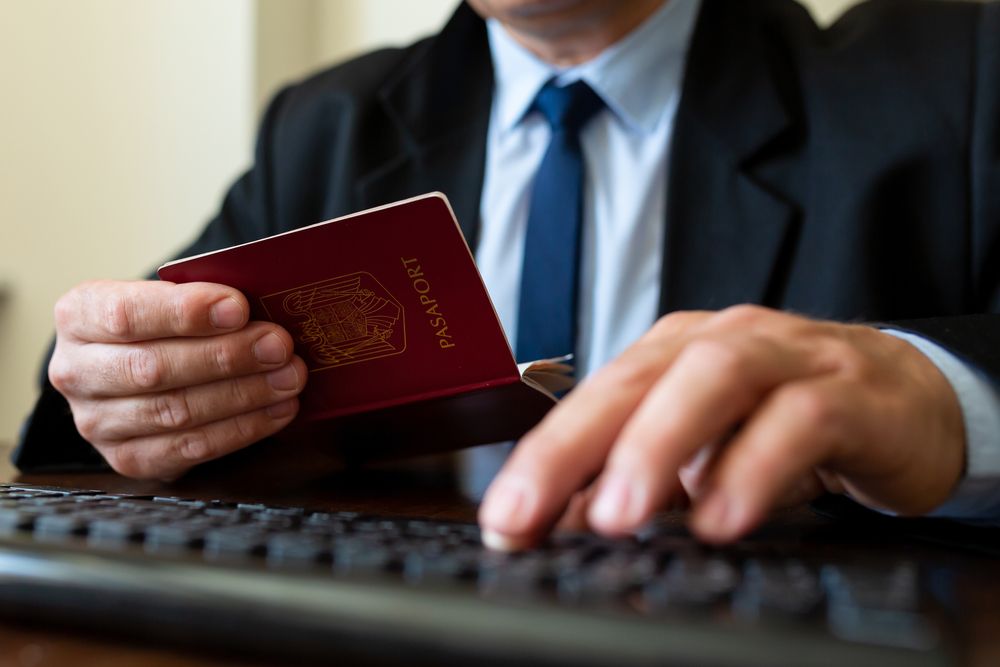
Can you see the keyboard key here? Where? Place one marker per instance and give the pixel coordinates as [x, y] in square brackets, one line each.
[607, 578]
[235, 541]
[521, 575]
[895, 587]
[363, 556]
[296, 548]
[114, 531]
[17, 518]
[435, 563]
[171, 538]
[60, 526]
[692, 582]
[874, 606]
[779, 587]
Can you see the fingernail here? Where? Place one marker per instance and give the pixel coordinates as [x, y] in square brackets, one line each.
[504, 505]
[500, 542]
[269, 349]
[284, 379]
[226, 314]
[613, 505]
[281, 410]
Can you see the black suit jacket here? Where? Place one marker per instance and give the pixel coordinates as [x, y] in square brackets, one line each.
[852, 173]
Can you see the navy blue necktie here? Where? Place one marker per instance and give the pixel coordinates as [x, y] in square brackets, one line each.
[547, 315]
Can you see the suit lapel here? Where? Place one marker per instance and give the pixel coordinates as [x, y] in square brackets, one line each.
[726, 225]
[441, 107]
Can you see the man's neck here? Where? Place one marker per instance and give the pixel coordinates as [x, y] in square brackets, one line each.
[575, 42]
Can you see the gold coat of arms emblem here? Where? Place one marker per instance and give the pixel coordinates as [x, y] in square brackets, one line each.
[343, 320]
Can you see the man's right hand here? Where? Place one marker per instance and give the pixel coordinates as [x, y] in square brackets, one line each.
[161, 377]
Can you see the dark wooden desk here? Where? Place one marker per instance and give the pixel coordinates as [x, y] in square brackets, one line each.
[430, 494]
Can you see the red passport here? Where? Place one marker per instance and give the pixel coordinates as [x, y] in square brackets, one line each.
[405, 351]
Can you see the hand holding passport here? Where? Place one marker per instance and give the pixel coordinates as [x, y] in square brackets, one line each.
[404, 349]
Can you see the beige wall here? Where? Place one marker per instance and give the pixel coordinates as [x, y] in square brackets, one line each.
[827, 10]
[296, 37]
[120, 124]
[123, 121]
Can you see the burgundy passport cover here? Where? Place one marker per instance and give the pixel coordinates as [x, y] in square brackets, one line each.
[404, 348]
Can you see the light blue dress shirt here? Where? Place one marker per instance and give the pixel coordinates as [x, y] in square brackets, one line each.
[626, 149]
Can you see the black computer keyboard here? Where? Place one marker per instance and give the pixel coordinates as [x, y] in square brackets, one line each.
[292, 582]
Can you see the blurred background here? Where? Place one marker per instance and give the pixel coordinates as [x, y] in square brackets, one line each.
[122, 122]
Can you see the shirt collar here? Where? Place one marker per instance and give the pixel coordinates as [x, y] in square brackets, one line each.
[636, 76]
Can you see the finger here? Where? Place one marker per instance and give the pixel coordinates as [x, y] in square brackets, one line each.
[563, 453]
[799, 427]
[693, 474]
[829, 481]
[168, 457]
[120, 419]
[115, 370]
[713, 385]
[805, 489]
[117, 312]
[574, 519]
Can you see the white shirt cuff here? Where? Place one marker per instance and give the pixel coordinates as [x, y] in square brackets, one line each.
[977, 496]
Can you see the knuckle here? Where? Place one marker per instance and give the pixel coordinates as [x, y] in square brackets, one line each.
[668, 323]
[742, 315]
[241, 394]
[87, 423]
[141, 367]
[184, 313]
[194, 446]
[720, 356]
[124, 460]
[816, 408]
[63, 375]
[221, 357]
[64, 310]
[629, 373]
[672, 323]
[68, 305]
[249, 428]
[848, 359]
[116, 316]
[171, 410]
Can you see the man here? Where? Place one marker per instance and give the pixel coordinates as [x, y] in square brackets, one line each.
[736, 155]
